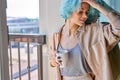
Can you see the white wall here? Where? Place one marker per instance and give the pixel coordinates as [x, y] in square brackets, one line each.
[49, 16]
[50, 20]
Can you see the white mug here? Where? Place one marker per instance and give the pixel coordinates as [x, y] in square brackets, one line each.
[63, 56]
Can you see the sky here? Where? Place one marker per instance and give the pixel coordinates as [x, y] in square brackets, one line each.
[23, 8]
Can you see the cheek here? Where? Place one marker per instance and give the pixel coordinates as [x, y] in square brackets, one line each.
[79, 16]
[78, 21]
[76, 18]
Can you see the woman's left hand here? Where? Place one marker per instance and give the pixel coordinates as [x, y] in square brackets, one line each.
[91, 3]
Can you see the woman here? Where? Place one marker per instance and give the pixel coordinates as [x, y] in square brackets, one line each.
[87, 41]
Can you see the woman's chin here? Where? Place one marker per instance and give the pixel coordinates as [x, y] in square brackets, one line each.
[81, 24]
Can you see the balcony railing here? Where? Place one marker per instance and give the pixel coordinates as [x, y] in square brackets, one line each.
[20, 52]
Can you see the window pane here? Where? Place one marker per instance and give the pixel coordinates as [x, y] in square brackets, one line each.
[23, 16]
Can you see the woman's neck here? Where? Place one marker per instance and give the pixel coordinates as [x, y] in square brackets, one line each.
[70, 28]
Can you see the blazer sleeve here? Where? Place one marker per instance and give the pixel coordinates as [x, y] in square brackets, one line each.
[111, 31]
[51, 46]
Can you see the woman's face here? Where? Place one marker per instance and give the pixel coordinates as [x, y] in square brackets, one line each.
[79, 17]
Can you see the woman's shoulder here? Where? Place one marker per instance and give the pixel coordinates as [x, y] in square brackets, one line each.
[56, 31]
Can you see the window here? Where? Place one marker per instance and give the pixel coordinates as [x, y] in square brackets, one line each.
[23, 16]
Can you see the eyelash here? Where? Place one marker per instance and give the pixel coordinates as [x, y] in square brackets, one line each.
[80, 12]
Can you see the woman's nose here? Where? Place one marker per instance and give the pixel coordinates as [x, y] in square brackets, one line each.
[85, 16]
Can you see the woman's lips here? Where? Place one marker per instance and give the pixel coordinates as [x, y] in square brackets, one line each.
[83, 21]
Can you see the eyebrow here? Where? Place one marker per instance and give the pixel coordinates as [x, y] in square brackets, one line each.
[82, 8]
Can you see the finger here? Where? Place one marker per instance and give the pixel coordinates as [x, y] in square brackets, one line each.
[85, 0]
[88, 1]
[55, 64]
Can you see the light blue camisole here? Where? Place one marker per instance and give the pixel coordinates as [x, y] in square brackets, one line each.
[76, 64]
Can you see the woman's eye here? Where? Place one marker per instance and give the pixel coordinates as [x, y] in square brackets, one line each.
[80, 12]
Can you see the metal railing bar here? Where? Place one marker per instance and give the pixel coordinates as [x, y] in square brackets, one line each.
[19, 62]
[40, 62]
[32, 38]
[36, 38]
[11, 70]
[28, 57]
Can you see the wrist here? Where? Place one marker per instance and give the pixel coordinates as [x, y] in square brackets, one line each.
[95, 5]
[101, 9]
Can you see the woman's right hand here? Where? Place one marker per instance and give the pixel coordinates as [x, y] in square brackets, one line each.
[54, 62]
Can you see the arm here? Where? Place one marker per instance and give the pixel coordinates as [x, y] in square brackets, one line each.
[107, 11]
[111, 31]
[52, 51]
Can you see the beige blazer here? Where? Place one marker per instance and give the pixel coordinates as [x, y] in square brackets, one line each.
[96, 41]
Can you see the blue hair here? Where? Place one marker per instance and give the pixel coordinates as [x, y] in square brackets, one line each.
[69, 6]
